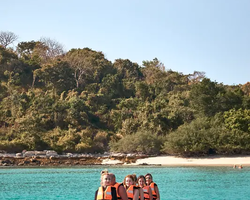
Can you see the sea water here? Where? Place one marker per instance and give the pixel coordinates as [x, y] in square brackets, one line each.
[175, 183]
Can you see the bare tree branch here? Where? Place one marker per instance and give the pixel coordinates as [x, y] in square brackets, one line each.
[7, 38]
[54, 48]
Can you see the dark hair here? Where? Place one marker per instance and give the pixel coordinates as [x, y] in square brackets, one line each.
[141, 176]
[148, 174]
[112, 176]
[135, 178]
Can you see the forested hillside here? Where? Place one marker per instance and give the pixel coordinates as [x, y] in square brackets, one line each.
[79, 101]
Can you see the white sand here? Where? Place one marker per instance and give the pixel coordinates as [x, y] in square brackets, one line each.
[176, 161]
[206, 161]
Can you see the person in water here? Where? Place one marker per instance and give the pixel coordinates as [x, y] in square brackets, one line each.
[120, 189]
[147, 192]
[153, 186]
[106, 191]
[131, 189]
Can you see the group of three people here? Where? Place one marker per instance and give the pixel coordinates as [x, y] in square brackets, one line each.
[132, 188]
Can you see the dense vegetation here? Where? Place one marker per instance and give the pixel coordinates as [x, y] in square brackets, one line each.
[78, 101]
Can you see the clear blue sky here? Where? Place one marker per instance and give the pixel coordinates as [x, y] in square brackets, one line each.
[212, 36]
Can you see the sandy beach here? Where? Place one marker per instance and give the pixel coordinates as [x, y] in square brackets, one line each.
[119, 159]
[177, 161]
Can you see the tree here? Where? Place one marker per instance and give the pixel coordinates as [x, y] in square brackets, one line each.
[7, 38]
[204, 97]
[143, 141]
[89, 66]
[111, 87]
[153, 71]
[196, 77]
[25, 49]
[54, 48]
[127, 69]
[58, 77]
[246, 88]
[196, 138]
[129, 73]
[238, 120]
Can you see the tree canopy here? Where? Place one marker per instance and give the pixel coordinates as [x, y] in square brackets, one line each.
[79, 101]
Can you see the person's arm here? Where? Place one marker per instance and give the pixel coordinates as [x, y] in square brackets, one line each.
[136, 194]
[122, 192]
[150, 194]
[141, 193]
[157, 192]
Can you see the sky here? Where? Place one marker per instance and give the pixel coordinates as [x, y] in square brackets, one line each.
[211, 36]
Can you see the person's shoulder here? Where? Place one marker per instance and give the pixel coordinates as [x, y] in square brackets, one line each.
[155, 184]
[120, 184]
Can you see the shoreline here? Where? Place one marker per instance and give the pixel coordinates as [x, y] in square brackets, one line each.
[121, 160]
[209, 161]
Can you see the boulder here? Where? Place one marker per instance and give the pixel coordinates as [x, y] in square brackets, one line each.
[29, 153]
[40, 153]
[51, 153]
[19, 155]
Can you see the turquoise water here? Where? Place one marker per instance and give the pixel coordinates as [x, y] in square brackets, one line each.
[175, 183]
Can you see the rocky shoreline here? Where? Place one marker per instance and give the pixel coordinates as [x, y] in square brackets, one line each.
[52, 158]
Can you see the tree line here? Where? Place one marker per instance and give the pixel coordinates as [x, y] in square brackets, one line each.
[79, 101]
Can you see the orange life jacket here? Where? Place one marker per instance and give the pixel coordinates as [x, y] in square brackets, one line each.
[116, 185]
[130, 192]
[146, 192]
[152, 186]
[104, 194]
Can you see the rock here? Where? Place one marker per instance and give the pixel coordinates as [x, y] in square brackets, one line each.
[69, 155]
[33, 160]
[26, 162]
[29, 153]
[143, 164]
[20, 164]
[51, 153]
[6, 162]
[118, 154]
[40, 153]
[52, 157]
[130, 155]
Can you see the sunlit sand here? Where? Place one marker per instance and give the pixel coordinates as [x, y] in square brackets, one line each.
[177, 161]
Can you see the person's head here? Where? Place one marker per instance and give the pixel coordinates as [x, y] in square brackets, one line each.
[148, 178]
[105, 179]
[129, 180]
[141, 181]
[134, 178]
[104, 171]
[113, 179]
